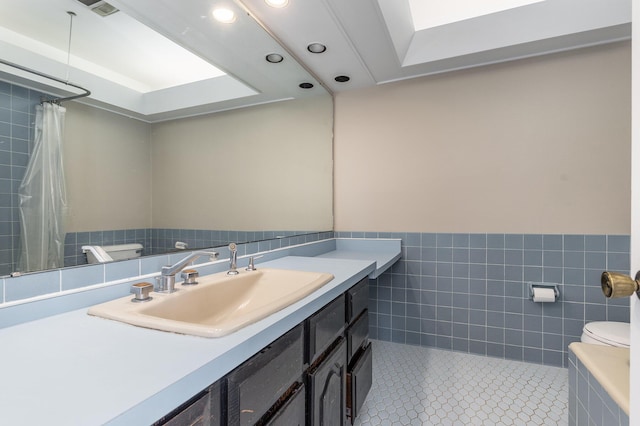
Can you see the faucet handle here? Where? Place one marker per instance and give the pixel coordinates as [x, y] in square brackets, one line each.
[141, 292]
[251, 266]
[189, 276]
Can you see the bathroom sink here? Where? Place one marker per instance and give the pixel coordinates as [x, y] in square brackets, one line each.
[219, 304]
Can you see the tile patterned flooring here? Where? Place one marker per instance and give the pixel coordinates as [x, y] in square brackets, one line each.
[415, 385]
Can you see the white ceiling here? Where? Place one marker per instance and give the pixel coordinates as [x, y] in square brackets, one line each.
[238, 49]
[374, 41]
[371, 41]
[116, 47]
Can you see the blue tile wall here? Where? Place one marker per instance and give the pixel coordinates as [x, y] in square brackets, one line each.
[158, 241]
[163, 240]
[469, 292]
[46, 282]
[17, 115]
[589, 403]
[74, 241]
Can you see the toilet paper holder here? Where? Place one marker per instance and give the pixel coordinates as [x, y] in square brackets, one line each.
[533, 286]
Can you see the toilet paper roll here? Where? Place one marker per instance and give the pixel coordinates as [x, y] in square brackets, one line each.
[541, 294]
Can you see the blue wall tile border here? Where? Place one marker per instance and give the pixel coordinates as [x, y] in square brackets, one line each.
[160, 241]
[42, 284]
[442, 275]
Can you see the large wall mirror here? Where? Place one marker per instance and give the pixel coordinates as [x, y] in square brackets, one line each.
[191, 163]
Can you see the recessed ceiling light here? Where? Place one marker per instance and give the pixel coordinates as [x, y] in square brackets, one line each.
[226, 16]
[342, 78]
[277, 3]
[316, 48]
[306, 85]
[274, 58]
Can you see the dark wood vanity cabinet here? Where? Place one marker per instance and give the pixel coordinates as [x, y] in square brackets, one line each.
[204, 409]
[318, 373]
[357, 298]
[265, 380]
[323, 327]
[326, 381]
[340, 372]
[293, 410]
[359, 356]
[359, 380]
[327, 356]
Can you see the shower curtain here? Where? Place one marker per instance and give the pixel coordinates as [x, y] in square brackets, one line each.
[42, 195]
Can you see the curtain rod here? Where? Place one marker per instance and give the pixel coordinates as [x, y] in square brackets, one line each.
[55, 100]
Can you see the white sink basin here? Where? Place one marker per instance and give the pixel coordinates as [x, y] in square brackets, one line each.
[219, 304]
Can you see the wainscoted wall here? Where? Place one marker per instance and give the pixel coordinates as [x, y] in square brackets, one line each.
[469, 292]
[158, 241]
[74, 241]
[17, 115]
[509, 158]
[60, 280]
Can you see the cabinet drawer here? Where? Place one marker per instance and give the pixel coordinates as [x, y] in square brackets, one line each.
[323, 327]
[357, 299]
[357, 335]
[194, 412]
[292, 413]
[217, 399]
[327, 388]
[359, 379]
[258, 383]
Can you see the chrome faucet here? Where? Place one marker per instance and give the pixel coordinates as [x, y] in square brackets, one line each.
[167, 279]
[233, 259]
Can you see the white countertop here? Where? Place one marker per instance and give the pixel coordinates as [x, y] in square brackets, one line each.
[385, 252]
[75, 369]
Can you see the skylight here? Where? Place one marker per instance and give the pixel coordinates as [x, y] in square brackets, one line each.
[117, 48]
[432, 13]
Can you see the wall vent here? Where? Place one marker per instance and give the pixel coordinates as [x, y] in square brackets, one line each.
[100, 7]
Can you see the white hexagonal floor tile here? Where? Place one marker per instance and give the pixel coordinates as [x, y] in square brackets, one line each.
[426, 386]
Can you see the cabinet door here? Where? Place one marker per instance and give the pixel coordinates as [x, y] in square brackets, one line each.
[195, 412]
[327, 388]
[292, 412]
[259, 383]
[357, 299]
[357, 335]
[217, 413]
[323, 327]
[359, 381]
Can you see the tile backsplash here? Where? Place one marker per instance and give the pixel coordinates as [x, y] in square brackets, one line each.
[470, 292]
[158, 241]
[51, 282]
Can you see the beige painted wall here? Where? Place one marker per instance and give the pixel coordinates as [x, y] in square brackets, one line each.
[261, 168]
[540, 145]
[107, 170]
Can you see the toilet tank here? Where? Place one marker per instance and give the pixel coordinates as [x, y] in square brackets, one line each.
[124, 251]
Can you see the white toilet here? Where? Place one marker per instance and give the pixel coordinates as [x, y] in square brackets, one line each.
[607, 333]
[101, 254]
